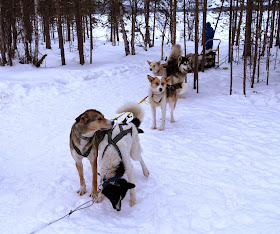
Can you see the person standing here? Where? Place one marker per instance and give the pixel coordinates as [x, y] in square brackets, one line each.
[209, 35]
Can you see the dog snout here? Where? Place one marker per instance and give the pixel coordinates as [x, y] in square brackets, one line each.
[151, 69]
[160, 89]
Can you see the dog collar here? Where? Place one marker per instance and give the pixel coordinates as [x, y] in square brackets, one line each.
[113, 179]
[155, 101]
[81, 136]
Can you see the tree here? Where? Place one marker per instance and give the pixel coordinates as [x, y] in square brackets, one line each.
[2, 39]
[59, 29]
[36, 52]
[79, 28]
[195, 84]
[126, 44]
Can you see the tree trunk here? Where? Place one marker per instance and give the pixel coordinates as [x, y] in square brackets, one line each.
[133, 22]
[59, 29]
[230, 32]
[79, 28]
[204, 34]
[154, 27]
[68, 29]
[2, 39]
[258, 25]
[195, 84]
[239, 23]
[91, 39]
[185, 39]
[248, 28]
[25, 37]
[173, 35]
[163, 36]
[126, 45]
[47, 27]
[278, 29]
[266, 29]
[14, 29]
[272, 23]
[36, 25]
[147, 27]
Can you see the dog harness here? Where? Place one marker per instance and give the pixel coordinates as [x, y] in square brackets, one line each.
[79, 152]
[113, 142]
[117, 138]
[171, 89]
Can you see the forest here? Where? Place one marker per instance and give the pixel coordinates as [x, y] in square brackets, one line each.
[253, 27]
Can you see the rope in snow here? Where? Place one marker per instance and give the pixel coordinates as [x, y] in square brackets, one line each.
[67, 215]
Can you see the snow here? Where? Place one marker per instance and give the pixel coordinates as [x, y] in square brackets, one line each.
[215, 170]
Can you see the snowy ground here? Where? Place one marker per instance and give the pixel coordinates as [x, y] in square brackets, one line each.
[215, 170]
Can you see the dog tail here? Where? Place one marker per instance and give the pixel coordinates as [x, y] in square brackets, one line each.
[136, 110]
[175, 53]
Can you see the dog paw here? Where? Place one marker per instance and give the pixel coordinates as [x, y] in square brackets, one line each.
[172, 121]
[161, 129]
[82, 191]
[132, 202]
[99, 198]
[93, 194]
[153, 128]
[146, 173]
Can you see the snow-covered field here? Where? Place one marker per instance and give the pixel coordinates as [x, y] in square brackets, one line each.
[215, 170]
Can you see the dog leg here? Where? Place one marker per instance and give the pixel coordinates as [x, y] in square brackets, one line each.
[154, 126]
[94, 178]
[130, 176]
[172, 105]
[144, 168]
[82, 190]
[163, 114]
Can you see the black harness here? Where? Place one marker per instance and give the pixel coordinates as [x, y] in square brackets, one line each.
[171, 89]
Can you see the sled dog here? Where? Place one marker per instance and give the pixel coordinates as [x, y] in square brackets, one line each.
[84, 140]
[177, 66]
[157, 68]
[119, 145]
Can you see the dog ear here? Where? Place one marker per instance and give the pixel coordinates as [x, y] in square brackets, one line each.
[168, 78]
[165, 65]
[83, 119]
[148, 62]
[130, 185]
[78, 118]
[150, 78]
[179, 60]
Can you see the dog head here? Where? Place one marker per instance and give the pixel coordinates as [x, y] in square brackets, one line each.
[91, 121]
[158, 85]
[154, 67]
[184, 64]
[116, 191]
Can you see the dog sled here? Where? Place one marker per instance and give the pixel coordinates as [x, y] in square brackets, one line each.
[210, 57]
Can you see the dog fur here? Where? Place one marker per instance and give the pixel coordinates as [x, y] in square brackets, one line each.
[111, 165]
[158, 98]
[177, 65]
[84, 134]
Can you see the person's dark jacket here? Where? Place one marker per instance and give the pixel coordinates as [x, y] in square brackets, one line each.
[209, 35]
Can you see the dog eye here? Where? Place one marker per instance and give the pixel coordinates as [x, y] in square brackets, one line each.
[83, 118]
[100, 119]
[157, 83]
